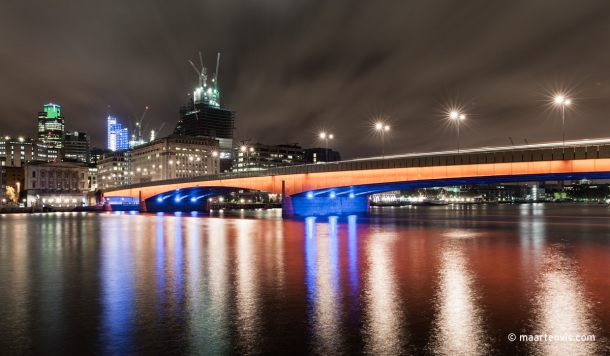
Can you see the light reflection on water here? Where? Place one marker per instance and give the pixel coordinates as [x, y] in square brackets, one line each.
[459, 327]
[414, 282]
[562, 308]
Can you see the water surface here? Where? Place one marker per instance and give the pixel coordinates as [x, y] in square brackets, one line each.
[415, 280]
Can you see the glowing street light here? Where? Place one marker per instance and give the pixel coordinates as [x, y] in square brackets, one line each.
[454, 115]
[383, 129]
[214, 155]
[561, 100]
[324, 136]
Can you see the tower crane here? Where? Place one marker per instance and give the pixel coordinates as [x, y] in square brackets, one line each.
[153, 133]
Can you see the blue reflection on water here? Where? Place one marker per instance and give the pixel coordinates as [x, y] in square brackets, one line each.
[160, 262]
[310, 259]
[117, 293]
[352, 249]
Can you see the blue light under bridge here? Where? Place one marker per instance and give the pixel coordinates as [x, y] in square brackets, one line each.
[187, 199]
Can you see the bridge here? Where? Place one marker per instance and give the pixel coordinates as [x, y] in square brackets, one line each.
[344, 187]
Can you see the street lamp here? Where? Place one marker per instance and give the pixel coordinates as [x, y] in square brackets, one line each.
[454, 115]
[214, 155]
[326, 137]
[563, 102]
[244, 149]
[383, 129]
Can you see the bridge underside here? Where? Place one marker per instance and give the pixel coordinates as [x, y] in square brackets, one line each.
[351, 199]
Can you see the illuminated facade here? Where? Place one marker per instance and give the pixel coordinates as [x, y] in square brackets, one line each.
[61, 184]
[175, 156]
[118, 137]
[257, 157]
[51, 126]
[114, 169]
[76, 146]
[17, 151]
[204, 116]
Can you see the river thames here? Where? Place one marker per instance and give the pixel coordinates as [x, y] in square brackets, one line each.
[441, 280]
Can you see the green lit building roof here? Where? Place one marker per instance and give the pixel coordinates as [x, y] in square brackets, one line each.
[52, 110]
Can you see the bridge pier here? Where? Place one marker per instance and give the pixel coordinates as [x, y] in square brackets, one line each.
[302, 205]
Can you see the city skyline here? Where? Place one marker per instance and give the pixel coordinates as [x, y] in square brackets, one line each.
[288, 81]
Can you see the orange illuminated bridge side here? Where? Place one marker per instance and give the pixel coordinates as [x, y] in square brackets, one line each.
[346, 191]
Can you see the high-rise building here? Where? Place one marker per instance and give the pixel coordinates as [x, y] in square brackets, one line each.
[204, 116]
[76, 146]
[51, 126]
[17, 151]
[118, 137]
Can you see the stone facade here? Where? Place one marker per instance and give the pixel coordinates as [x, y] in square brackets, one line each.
[61, 184]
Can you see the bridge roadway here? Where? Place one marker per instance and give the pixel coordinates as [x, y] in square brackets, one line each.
[343, 187]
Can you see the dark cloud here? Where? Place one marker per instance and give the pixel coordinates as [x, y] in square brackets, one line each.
[291, 68]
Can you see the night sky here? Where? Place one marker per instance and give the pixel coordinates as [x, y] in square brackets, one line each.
[292, 68]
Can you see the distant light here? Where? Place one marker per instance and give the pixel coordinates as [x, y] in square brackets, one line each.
[378, 126]
[214, 153]
[310, 195]
[453, 115]
[177, 200]
[243, 148]
[462, 117]
[387, 127]
[559, 99]
[193, 199]
[332, 194]
[323, 135]
[20, 139]
[351, 195]
[331, 136]
[568, 102]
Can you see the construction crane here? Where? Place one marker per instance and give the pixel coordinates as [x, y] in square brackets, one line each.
[153, 133]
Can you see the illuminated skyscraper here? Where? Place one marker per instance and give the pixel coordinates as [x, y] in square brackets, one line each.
[203, 116]
[51, 126]
[118, 137]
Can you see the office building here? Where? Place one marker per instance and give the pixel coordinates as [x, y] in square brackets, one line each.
[256, 157]
[114, 169]
[76, 147]
[92, 177]
[320, 154]
[204, 116]
[62, 184]
[51, 126]
[2, 180]
[175, 156]
[118, 137]
[17, 151]
[97, 153]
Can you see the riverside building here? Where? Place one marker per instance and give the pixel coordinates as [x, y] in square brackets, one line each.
[256, 157]
[114, 169]
[17, 151]
[62, 184]
[175, 156]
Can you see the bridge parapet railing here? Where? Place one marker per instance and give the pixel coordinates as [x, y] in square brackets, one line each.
[507, 156]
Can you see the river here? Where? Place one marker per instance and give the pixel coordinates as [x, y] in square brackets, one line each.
[439, 280]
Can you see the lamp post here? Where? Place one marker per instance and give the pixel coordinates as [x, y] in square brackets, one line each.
[247, 150]
[563, 102]
[383, 129]
[326, 137]
[454, 115]
[214, 155]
